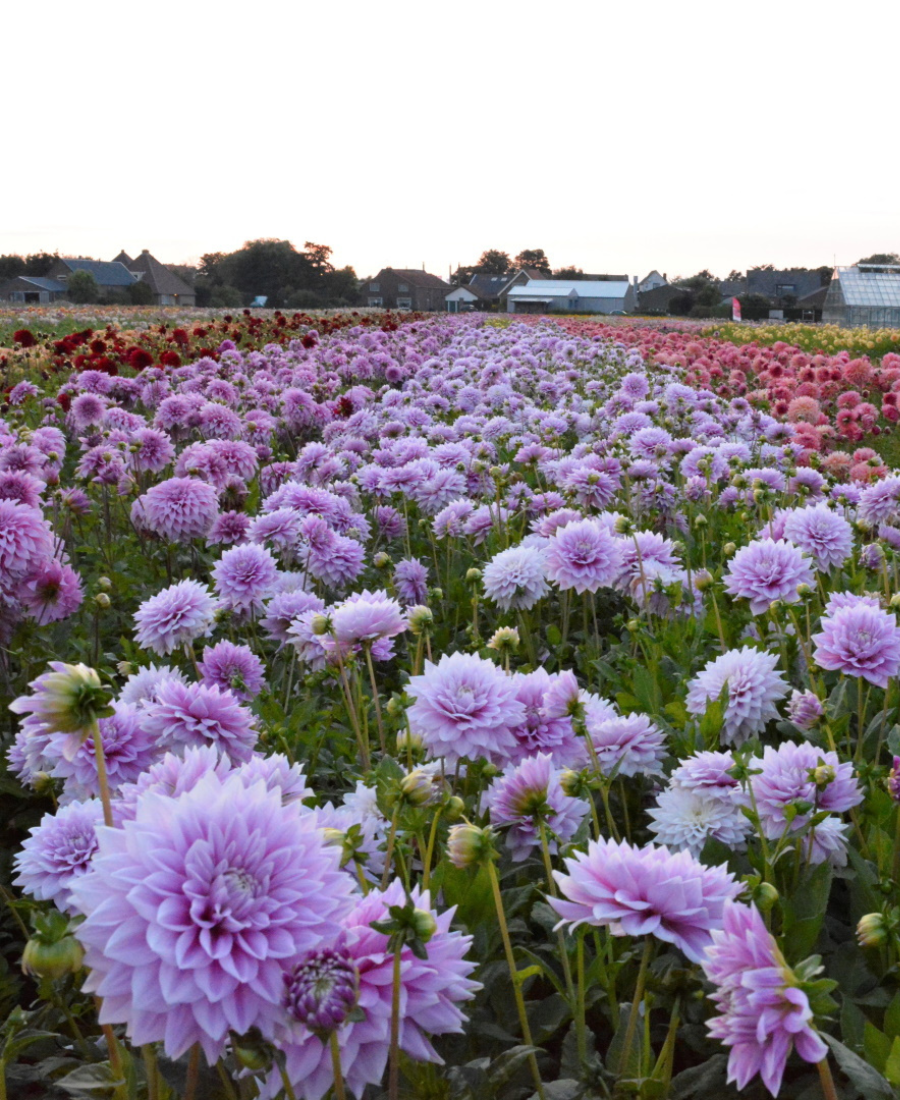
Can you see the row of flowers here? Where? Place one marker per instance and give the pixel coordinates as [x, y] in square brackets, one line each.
[509, 647]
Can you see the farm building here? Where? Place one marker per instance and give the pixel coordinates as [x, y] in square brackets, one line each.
[168, 288]
[108, 275]
[405, 288]
[866, 294]
[561, 296]
[30, 290]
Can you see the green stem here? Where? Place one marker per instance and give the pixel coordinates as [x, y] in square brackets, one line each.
[636, 1005]
[389, 855]
[580, 1025]
[551, 886]
[339, 1093]
[394, 1064]
[368, 651]
[101, 774]
[2, 1079]
[193, 1073]
[286, 1081]
[150, 1069]
[826, 1080]
[514, 976]
[429, 851]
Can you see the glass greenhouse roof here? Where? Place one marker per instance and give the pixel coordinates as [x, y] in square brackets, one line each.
[869, 288]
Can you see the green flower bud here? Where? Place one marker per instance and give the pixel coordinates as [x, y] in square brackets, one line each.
[52, 960]
[319, 625]
[421, 619]
[455, 808]
[102, 600]
[765, 896]
[424, 925]
[104, 582]
[504, 640]
[728, 549]
[417, 787]
[700, 521]
[872, 930]
[381, 560]
[468, 845]
[473, 576]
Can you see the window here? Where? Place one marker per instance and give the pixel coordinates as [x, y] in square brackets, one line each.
[402, 288]
[374, 301]
[781, 289]
[404, 303]
[374, 286]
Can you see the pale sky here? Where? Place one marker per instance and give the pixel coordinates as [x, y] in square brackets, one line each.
[618, 137]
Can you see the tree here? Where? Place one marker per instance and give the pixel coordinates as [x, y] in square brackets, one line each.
[734, 276]
[682, 303]
[82, 287]
[881, 258]
[536, 258]
[493, 262]
[754, 307]
[761, 267]
[140, 294]
[573, 274]
[318, 256]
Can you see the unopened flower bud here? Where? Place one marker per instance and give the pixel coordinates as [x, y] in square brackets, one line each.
[104, 582]
[633, 626]
[823, 775]
[703, 580]
[407, 741]
[504, 640]
[572, 783]
[421, 619]
[416, 787]
[805, 591]
[455, 808]
[728, 549]
[765, 896]
[381, 560]
[468, 845]
[102, 600]
[624, 525]
[319, 625]
[872, 930]
[424, 924]
[700, 521]
[436, 593]
[125, 668]
[52, 960]
[473, 576]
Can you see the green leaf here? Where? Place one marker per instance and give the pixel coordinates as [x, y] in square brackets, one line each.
[96, 1080]
[470, 892]
[554, 637]
[804, 912]
[892, 1065]
[892, 1018]
[707, 1079]
[504, 1066]
[876, 1045]
[865, 1077]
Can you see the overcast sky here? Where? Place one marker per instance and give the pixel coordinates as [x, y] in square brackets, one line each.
[618, 137]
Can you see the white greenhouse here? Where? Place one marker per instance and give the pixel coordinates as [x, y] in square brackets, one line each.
[866, 294]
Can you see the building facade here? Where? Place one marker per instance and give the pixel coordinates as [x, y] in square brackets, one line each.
[405, 288]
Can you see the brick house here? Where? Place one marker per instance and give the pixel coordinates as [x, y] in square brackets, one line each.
[405, 288]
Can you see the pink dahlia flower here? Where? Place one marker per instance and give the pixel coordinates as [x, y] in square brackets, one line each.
[431, 991]
[515, 578]
[584, 556]
[764, 571]
[185, 715]
[174, 617]
[57, 852]
[754, 687]
[763, 1015]
[234, 668]
[367, 616]
[465, 707]
[645, 891]
[26, 542]
[244, 577]
[178, 510]
[859, 640]
[529, 793]
[198, 907]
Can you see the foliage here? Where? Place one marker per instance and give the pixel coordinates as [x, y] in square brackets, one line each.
[82, 287]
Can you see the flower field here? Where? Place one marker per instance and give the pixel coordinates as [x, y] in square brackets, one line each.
[437, 708]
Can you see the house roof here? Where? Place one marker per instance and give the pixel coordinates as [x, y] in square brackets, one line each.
[489, 286]
[41, 283]
[106, 273]
[157, 276]
[862, 287]
[554, 288]
[816, 300]
[415, 277]
[123, 258]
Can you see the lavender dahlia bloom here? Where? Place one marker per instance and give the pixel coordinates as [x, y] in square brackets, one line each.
[57, 852]
[320, 990]
[859, 640]
[706, 773]
[762, 1012]
[465, 707]
[528, 794]
[801, 773]
[51, 592]
[25, 541]
[584, 556]
[753, 689]
[178, 510]
[196, 714]
[541, 731]
[411, 581]
[630, 744]
[197, 908]
[234, 668]
[174, 617]
[515, 578]
[804, 709]
[431, 991]
[821, 533]
[367, 616]
[128, 751]
[645, 891]
[686, 818]
[764, 571]
[244, 577]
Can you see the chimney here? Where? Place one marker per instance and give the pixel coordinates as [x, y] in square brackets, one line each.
[635, 280]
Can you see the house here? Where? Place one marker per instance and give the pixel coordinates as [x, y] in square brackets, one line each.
[168, 289]
[405, 288]
[29, 290]
[580, 296]
[865, 294]
[657, 300]
[782, 288]
[109, 275]
[485, 292]
[651, 282]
